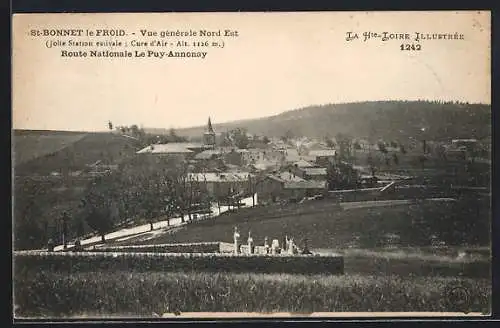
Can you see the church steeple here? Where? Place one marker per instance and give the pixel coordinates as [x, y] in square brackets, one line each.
[209, 135]
[209, 126]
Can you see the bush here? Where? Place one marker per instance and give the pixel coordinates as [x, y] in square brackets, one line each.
[210, 247]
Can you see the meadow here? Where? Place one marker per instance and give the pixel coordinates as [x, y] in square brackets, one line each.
[132, 293]
[29, 145]
[460, 223]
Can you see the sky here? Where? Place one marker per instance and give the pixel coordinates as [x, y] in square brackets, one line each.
[278, 62]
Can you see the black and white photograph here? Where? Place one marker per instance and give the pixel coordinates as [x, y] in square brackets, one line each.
[251, 164]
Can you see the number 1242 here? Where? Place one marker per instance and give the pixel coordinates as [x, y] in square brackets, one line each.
[410, 47]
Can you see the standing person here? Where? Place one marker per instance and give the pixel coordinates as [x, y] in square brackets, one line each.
[285, 243]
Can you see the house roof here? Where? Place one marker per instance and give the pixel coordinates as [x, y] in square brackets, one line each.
[315, 146]
[360, 168]
[286, 177]
[264, 165]
[324, 152]
[292, 155]
[306, 184]
[221, 177]
[315, 170]
[303, 164]
[207, 154]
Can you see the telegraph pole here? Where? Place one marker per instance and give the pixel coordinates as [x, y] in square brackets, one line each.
[65, 230]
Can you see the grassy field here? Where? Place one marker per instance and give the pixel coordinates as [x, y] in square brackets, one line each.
[71, 152]
[327, 227]
[29, 145]
[52, 294]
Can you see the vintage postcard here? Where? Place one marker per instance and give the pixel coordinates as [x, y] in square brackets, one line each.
[235, 165]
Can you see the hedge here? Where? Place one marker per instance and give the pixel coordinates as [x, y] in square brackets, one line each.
[208, 247]
[184, 262]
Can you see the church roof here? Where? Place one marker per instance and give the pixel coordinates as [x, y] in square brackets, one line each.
[172, 147]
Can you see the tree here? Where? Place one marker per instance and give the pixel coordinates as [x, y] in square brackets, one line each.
[99, 205]
[329, 142]
[30, 225]
[225, 140]
[98, 215]
[28, 232]
[342, 176]
[182, 191]
[382, 147]
[422, 159]
[266, 140]
[371, 163]
[150, 201]
[173, 137]
[77, 225]
[137, 132]
[239, 138]
[395, 158]
[134, 129]
[402, 149]
[150, 191]
[344, 143]
[289, 135]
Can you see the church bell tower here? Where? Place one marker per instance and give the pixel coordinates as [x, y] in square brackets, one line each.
[209, 136]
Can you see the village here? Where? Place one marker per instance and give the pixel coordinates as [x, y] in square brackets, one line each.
[228, 171]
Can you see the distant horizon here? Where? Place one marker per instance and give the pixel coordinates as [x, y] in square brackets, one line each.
[215, 122]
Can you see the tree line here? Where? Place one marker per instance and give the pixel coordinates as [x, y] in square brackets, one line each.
[143, 193]
[147, 138]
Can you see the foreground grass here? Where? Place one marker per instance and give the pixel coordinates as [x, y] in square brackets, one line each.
[52, 294]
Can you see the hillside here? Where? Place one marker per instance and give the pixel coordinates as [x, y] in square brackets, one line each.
[326, 227]
[29, 145]
[392, 120]
[41, 152]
